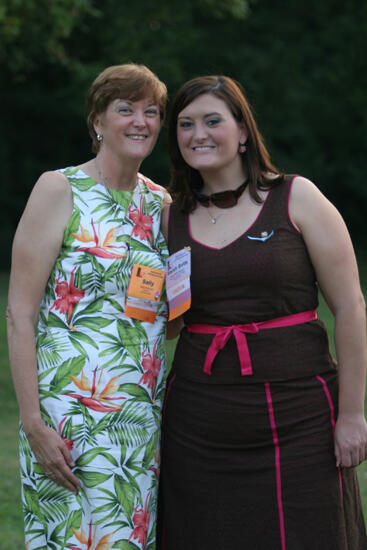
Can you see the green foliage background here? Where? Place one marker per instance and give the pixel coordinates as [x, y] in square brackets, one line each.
[301, 63]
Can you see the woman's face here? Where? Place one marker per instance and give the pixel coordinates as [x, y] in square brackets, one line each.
[129, 128]
[208, 135]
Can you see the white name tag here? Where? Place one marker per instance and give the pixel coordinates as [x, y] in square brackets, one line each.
[178, 271]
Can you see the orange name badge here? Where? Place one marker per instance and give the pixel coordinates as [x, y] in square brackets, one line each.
[144, 292]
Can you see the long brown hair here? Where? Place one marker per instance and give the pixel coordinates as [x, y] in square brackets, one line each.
[256, 159]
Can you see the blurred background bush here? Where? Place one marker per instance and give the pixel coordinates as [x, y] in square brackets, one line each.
[302, 65]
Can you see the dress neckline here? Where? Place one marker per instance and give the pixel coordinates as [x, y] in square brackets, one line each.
[109, 189]
[237, 238]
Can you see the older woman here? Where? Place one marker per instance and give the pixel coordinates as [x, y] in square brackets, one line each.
[254, 398]
[90, 388]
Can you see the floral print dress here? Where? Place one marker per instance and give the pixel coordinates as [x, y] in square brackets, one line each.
[101, 376]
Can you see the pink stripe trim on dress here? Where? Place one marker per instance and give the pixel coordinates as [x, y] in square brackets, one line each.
[277, 464]
[332, 421]
[288, 205]
[168, 222]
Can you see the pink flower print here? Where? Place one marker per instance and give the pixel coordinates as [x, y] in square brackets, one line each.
[150, 184]
[68, 296]
[69, 442]
[142, 223]
[151, 365]
[141, 524]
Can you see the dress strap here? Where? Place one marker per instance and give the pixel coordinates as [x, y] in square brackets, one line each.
[222, 335]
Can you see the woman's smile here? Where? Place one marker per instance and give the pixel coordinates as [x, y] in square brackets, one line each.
[208, 134]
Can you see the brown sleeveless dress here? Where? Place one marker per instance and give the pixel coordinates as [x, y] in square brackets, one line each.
[248, 461]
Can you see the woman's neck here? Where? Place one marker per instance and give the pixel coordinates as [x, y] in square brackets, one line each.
[222, 180]
[115, 173]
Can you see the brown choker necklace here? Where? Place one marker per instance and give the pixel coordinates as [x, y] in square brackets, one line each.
[223, 199]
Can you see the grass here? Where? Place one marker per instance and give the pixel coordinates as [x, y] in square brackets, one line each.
[11, 520]
[326, 316]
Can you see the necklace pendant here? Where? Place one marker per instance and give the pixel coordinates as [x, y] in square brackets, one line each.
[213, 220]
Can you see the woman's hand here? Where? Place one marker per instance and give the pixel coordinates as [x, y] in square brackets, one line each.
[350, 440]
[53, 456]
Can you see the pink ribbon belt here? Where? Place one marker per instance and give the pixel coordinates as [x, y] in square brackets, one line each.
[222, 335]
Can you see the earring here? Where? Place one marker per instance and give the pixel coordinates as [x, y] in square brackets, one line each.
[99, 137]
[242, 148]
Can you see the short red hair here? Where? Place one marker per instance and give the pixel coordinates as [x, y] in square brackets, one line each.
[129, 81]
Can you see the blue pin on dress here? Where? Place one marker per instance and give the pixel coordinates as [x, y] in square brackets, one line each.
[264, 236]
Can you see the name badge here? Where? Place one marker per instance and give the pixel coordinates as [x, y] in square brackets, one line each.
[178, 271]
[144, 292]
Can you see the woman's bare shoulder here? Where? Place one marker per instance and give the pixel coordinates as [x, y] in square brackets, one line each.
[52, 182]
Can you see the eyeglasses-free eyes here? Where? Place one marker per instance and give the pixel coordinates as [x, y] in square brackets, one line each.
[223, 199]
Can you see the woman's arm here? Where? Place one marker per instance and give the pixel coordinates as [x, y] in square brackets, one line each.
[332, 255]
[36, 246]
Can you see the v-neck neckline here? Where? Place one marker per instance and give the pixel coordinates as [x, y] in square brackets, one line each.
[237, 238]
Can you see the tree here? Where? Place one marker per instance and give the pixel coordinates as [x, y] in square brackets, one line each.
[35, 31]
[301, 66]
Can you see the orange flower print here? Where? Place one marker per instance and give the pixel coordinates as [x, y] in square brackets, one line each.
[68, 296]
[142, 223]
[155, 469]
[84, 236]
[105, 249]
[103, 544]
[141, 524]
[97, 396]
[151, 365]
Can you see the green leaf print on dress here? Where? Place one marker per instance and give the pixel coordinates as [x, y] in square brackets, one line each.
[101, 376]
